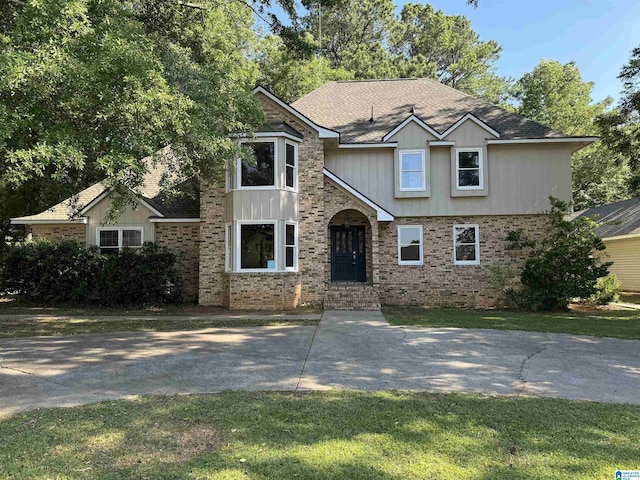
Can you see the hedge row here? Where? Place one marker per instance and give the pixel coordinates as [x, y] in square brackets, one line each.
[67, 272]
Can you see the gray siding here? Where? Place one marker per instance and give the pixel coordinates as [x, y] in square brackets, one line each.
[138, 217]
[625, 255]
[262, 205]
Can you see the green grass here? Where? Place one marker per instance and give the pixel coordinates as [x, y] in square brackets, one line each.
[615, 323]
[54, 326]
[330, 435]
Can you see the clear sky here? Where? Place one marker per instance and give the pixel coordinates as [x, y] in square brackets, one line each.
[596, 34]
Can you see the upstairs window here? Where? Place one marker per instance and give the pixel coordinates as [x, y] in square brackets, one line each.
[466, 245]
[261, 172]
[291, 160]
[113, 239]
[469, 169]
[410, 245]
[412, 170]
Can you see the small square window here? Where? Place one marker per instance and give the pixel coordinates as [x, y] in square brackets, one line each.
[412, 170]
[131, 238]
[469, 169]
[466, 245]
[410, 246]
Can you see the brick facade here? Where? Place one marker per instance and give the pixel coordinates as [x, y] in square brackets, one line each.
[184, 240]
[439, 282]
[213, 286]
[74, 231]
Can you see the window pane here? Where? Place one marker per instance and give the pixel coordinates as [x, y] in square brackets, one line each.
[290, 251]
[466, 253]
[131, 238]
[411, 179]
[289, 179]
[469, 178]
[290, 235]
[260, 174]
[411, 161]
[465, 235]
[256, 245]
[410, 253]
[409, 236]
[108, 238]
[291, 154]
[468, 159]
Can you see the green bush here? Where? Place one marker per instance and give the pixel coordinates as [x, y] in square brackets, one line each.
[607, 290]
[66, 272]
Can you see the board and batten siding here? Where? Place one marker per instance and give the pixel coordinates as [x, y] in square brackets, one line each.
[521, 178]
[130, 217]
[261, 205]
[625, 255]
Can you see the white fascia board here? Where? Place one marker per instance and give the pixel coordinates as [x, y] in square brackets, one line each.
[104, 194]
[142, 201]
[323, 132]
[368, 145]
[476, 120]
[22, 221]
[268, 135]
[382, 214]
[543, 140]
[621, 237]
[442, 143]
[417, 121]
[174, 220]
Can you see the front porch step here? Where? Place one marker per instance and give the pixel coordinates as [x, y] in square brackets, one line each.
[351, 296]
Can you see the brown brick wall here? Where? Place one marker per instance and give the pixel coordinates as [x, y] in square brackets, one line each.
[183, 239]
[75, 231]
[439, 282]
[264, 291]
[213, 286]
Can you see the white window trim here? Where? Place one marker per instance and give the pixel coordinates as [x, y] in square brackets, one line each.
[238, 182]
[228, 258]
[295, 167]
[119, 229]
[424, 173]
[295, 247]
[480, 169]
[477, 245]
[411, 262]
[238, 245]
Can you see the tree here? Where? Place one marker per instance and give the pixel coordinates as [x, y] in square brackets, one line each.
[291, 76]
[556, 95]
[432, 44]
[620, 128]
[562, 265]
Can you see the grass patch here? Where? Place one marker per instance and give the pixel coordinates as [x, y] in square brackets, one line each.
[350, 435]
[615, 323]
[55, 326]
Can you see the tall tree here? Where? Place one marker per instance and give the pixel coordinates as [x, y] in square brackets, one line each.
[431, 44]
[556, 95]
[621, 127]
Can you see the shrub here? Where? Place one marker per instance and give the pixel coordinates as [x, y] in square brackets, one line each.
[500, 274]
[67, 272]
[562, 265]
[607, 290]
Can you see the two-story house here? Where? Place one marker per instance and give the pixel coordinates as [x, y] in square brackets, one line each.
[362, 193]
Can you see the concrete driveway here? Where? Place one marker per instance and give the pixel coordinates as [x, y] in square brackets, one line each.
[347, 350]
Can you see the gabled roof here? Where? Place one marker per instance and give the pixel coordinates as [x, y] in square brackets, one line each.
[72, 209]
[345, 107]
[623, 218]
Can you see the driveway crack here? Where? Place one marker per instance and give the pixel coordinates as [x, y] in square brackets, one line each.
[545, 345]
[304, 364]
[24, 372]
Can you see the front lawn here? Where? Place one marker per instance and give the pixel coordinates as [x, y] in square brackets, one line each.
[337, 435]
[615, 323]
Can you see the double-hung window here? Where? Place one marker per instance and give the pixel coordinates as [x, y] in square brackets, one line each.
[466, 245]
[410, 249]
[291, 246]
[114, 239]
[261, 171]
[257, 246]
[291, 166]
[412, 170]
[469, 169]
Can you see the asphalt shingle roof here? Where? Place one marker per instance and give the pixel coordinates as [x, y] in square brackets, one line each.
[345, 106]
[623, 218]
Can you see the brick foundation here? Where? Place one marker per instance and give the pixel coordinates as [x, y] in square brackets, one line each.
[184, 240]
[74, 231]
[264, 291]
[439, 282]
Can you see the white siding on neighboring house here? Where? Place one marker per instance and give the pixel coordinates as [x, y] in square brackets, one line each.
[138, 217]
[625, 255]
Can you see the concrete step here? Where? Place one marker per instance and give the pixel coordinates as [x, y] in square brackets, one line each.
[350, 296]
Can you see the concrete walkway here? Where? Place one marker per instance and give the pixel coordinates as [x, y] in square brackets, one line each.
[347, 350]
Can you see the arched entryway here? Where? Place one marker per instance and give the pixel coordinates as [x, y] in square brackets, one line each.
[350, 249]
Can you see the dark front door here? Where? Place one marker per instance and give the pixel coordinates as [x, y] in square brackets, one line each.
[348, 261]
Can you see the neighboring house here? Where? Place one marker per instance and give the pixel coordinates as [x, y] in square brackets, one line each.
[621, 234]
[364, 192]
